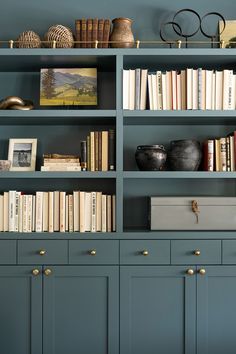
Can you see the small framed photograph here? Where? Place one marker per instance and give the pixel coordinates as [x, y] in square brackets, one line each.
[22, 154]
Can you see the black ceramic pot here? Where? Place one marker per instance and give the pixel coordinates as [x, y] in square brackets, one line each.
[184, 155]
[150, 157]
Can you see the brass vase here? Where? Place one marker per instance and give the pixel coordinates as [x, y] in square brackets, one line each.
[122, 33]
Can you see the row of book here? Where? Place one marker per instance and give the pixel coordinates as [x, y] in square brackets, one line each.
[57, 211]
[189, 89]
[91, 30]
[219, 154]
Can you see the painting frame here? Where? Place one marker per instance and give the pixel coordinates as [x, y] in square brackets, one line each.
[22, 154]
[228, 34]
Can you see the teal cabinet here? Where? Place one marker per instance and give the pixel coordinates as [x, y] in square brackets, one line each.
[216, 314]
[80, 311]
[20, 310]
[158, 310]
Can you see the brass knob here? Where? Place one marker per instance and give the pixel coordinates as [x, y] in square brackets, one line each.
[93, 252]
[202, 271]
[190, 271]
[35, 272]
[42, 252]
[197, 252]
[47, 272]
[145, 253]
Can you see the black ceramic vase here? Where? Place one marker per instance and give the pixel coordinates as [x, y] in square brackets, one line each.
[150, 157]
[184, 155]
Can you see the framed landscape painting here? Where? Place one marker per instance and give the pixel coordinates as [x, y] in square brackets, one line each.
[68, 87]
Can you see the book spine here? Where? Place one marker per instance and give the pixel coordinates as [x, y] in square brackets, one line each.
[109, 218]
[17, 197]
[100, 32]
[60, 168]
[228, 164]
[159, 91]
[137, 88]
[154, 91]
[89, 32]
[125, 89]
[67, 213]
[209, 155]
[71, 213]
[164, 93]
[106, 33]
[33, 212]
[213, 93]
[183, 89]
[99, 151]
[88, 154]
[77, 32]
[25, 213]
[96, 150]
[174, 89]
[56, 215]
[203, 96]
[223, 155]
[29, 214]
[150, 92]
[189, 80]
[104, 150]
[83, 33]
[143, 90]
[111, 149]
[99, 212]
[93, 211]
[217, 155]
[104, 213]
[199, 105]
[92, 152]
[232, 153]
[39, 212]
[12, 198]
[94, 32]
[76, 211]
[87, 211]
[169, 96]
[81, 212]
[131, 89]
[219, 90]
[62, 211]
[1, 214]
[113, 213]
[83, 149]
[21, 213]
[195, 89]
[60, 161]
[50, 211]
[6, 211]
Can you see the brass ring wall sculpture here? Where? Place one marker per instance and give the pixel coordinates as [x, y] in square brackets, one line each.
[14, 102]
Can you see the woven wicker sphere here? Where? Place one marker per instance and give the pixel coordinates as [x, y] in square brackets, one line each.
[28, 39]
[62, 35]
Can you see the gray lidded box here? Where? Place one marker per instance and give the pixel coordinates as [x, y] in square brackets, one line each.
[193, 213]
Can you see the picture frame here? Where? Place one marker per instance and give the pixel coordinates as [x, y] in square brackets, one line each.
[22, 154]
[228, 35]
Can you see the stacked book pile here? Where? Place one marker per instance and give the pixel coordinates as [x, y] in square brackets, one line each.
[92, 30]
[58, 162]
[57, 211]
[99, 151]
[219, 154]
[195, 89]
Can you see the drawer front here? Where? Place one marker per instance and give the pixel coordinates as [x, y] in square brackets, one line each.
[8, 252]
[229, 252]
[145, 252]
[94, 252]
[43, 252]
[196, 252]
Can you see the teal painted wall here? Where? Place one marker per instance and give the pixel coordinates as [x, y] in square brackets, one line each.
[16, 16]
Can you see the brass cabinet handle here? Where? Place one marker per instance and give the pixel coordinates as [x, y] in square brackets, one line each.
[47, 272]
[35, 272]
[93, 252]
[197, 252]
[202, 271]
[42, 252]
[145, 253]
[190, 271]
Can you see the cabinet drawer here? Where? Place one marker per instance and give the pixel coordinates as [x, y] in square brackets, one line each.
[8, 252]
[43, 252]
[196, 252]
[229, 252]
[94, 252]
[145, 252]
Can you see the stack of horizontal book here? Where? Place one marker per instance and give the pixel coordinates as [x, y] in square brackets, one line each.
[57, 211]
[100, 151]
[91, 30]
[58, 162]
[219, 154]
[196, 89]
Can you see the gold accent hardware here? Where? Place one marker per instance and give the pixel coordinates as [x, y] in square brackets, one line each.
[202, 271]
[42, 252]
[137, 44]
[179, 44]
[195, 209]
[47, 272]
[222, 44]
[11, 44]
[93, 252]
[35, 272]
[190, 271]
[96, 44]
[145, 253]
[197, 253]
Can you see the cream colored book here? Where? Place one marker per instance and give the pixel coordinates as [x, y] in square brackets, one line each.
[131, 89]
[104, 213]
[21, 213]
[60, 161]
[56, 212]
[219, 90]
[1, 214]
[67, 213]
[178, 92]
[82, 212]
[232, 153]
[113, 213]
[87, 211]
[17, 197]
[154, 90]
[174, 89]
[33, 212]
[93, 212]
[71, 213]
[92, 151]
[62, 211]
[29, 213]
[45, 212]
[104, 150]
[76, 211]
[50, 211]
[143, 89]
[169, 96]
[12, 208]
[159, 91]
[203, 91]
[109, 218]
[61, 164]
[125, 89]
[25, 212]
[99, 212]
[213, 93]
[189, 88]
[6, 211]
[39, 212]
[228, 89]
[150, 93]
[164, 94]
[195, 89]
[209, 81]
[183, 79]
[58, 168]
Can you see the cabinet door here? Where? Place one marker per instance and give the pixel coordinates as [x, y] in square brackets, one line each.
[158, 310]
[216, 310]
[20, 310]
[80, 309]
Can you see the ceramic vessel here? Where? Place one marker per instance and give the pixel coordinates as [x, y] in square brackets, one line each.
[184, 155]
[150, 157]
[122, 33]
